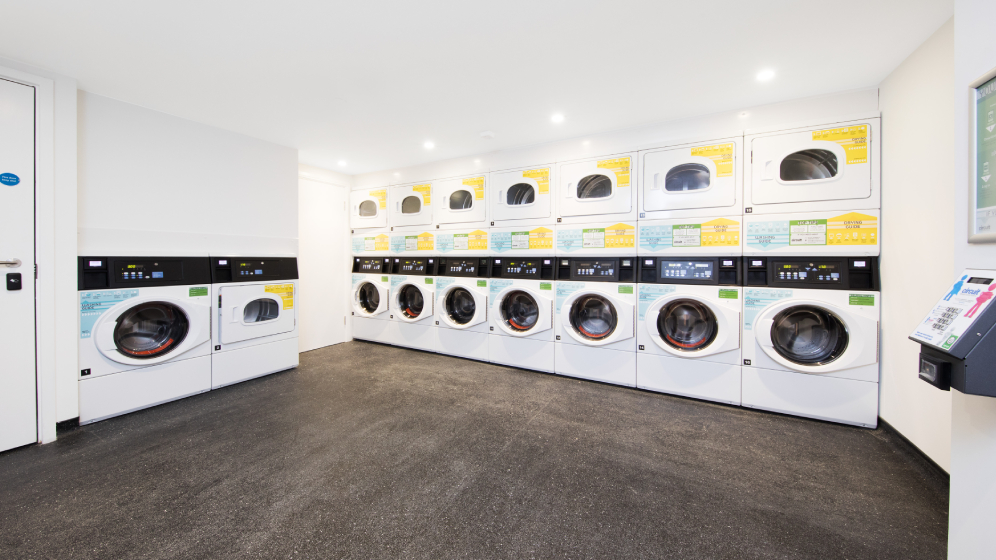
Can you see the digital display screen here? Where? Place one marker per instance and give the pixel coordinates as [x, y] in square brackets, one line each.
[255, 268]
[157, 274]
[223, 262]
[149, 270]
[977, 280]
[521, 268]
[413, 265]
[595, 268]
[97, 263]
[466, 267]
[808, 272]
[687, 270]
[371, 265]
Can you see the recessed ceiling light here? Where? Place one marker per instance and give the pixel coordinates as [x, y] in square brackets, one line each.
[429, 145]
[765, 75]
[586, 143]
[396, 174]
[557, 118]
[477, 161]
[342, 163]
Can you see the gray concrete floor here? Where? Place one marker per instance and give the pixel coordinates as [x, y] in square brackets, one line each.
[368, 451]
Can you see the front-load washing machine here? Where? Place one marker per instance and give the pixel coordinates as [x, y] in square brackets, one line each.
[521, 316]
[811, 337]
[523, 210]
[688, 327]
[462, 306]
[595, 319]
[413, 300]
[597, 206]
[371, 301]
[145, 332]
[254, 329]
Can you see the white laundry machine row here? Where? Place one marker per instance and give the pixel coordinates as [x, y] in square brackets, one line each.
[688, 327]
[595, 318]
[819, 167]
[254, 326]
[521, 317]
[145, 332]
[811, 337]
[412, 302]
[523, 210]
[370, 297]
[462, 285]
[692, 179]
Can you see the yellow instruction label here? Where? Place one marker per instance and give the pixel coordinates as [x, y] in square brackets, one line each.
[426, 191]
[620, 236]
[541, 238]
[381, 196]
[721, 155]
[425, 241]
[721, 232]
[285, 291]
[477, 240]
[852, 229]
[854, 140]
[542, 178]
[478, 184]
[620, 166]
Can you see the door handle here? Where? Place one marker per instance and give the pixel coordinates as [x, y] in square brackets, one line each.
[12, 263]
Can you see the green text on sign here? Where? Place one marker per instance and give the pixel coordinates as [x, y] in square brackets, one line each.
[428, 280]
[201, 291]
[728, 294]
[482, 283]
[861, 299]
[625, 289]
[546, 286]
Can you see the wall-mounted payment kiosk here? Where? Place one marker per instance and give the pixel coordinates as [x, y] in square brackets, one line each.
[957, 339]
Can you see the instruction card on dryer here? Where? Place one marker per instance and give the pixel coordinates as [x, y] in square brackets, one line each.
[957, 310]
[619, 166]
[854, 140]
[285, 291]
[720, 154]
[94, 304]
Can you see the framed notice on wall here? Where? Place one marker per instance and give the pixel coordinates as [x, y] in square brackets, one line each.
[982, 167]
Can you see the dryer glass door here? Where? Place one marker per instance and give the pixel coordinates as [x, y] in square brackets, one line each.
[593, 316]
[411, 205]
[248, 312]
[460, 200]
[150, 330]
[677, 179]
[368, 208]
[596, 187]
[521, 195]
[687, 325]
[808, 335]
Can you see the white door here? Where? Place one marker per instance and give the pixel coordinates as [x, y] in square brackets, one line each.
[367, 208]
[596, 186]
[411, 205]
[521, 194]
[461, 200]
[18, 414]
[690, 177]
[255, 311]
[818, 164]
[323, 264]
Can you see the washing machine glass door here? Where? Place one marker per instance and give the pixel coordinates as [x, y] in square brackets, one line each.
[593, 317]
[687, 325]
[463, 308]
[414, 303]
[520, 312]
[368, 298]
[254, 311]
[808, 335]
[150, 330]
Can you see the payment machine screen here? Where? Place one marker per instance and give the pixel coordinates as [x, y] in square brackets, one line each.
[687, 270]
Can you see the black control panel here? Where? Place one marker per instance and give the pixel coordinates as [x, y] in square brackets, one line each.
[476, 267]
[828, 273]
[136, 272]
[597, 269]
[252, 269]
[710, 271]
[533, 268]
[414, 266]
[371, 265]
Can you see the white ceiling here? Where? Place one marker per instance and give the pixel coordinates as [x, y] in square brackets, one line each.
[370, 81]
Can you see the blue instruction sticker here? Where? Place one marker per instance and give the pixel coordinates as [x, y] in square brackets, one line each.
[95, 304]
[9, 179]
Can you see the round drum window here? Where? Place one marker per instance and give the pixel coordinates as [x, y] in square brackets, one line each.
[368, 208]
[150, 330]
[808, 335]
[687, 177]
[519, 311]
[369, 297]
[259, 310]
[460, 306]
[411, 205]
[410, 301]
[686, 324]
[519, 194]
[594, 186]
[461, 200]
[593, 317]
[809, 165]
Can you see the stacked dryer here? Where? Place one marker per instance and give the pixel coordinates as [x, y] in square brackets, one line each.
[811, 246]
[369, 214]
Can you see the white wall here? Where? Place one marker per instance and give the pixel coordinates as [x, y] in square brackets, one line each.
[323, 257]
[152, 183]
[973, 423]
[917, 180]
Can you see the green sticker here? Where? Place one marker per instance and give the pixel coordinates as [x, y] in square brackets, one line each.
[546, 286]
[196, 292]
[625, 289]
[861, 299]
[482, 283]
[383, 278]
[428, 280]
[949, 342]
[728, 294]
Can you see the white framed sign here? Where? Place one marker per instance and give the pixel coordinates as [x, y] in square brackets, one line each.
[982, 159]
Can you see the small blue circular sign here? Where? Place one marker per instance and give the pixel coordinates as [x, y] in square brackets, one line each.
[9, 179]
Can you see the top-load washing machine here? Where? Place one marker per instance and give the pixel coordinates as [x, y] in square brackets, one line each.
[811, 337]
[521, 315]
[254, 331]
[145, 332]
[370, 296]
[413, 300]
[523, 210]
[814, 189]
[368, 222]
[597, 206]
[462, 306]
[411, 219]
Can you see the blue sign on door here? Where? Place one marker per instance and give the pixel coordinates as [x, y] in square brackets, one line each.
[9, 179]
